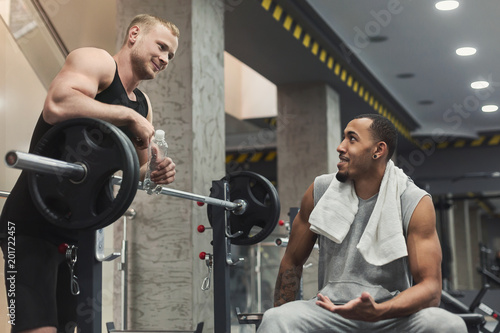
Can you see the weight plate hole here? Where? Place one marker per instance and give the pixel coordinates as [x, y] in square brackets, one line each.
[79, 181]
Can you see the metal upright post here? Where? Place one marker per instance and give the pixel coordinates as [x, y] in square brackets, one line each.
[124, 272]
[442, 206]
[89, 273]
[222, 316]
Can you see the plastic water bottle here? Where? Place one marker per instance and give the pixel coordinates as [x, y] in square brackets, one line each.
[157, 152]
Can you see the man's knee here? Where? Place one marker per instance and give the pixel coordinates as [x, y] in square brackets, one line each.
[271, 318]
[440, 320]
[269, 314]
[288, 317]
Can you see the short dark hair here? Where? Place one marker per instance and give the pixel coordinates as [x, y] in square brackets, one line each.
[383, 130]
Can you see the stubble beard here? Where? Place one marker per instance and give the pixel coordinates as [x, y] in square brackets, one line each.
[139, 66]
[359, 168]
[342, 176]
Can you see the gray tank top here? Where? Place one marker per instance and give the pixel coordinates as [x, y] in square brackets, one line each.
[343, 274]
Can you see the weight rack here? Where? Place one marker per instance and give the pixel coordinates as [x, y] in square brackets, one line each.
[89, 270]
[99, 149]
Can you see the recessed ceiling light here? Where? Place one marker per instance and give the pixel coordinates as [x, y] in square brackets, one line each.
[405, 75]
[479, 85]
[447, 5]
[489, 108]
[426, 102]
[377, 39]
[466, 51]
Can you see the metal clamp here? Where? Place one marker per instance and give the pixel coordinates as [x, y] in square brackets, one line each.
[71, 259]
[205, 285]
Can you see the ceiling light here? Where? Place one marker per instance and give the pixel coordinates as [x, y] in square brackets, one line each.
[489, 108]
[377, 39]
[426, 102]
[405, 75]
[479, 85]
[447, 5]
[466, 51]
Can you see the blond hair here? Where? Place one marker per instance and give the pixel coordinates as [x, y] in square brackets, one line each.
[146, 22]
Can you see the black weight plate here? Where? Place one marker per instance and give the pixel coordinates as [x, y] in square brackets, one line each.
[262, 211]
[90, 203]
[124, 199]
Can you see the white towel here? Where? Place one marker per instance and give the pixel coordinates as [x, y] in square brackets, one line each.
[334, 213]
[382, 240]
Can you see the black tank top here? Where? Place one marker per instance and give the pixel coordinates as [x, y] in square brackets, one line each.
[19, 207]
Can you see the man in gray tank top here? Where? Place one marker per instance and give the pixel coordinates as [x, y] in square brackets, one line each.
[356, 293]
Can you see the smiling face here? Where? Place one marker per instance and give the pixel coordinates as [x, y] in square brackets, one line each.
[152, 51]
[356, 150]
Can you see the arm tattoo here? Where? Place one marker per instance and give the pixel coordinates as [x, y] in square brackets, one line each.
[287, 285]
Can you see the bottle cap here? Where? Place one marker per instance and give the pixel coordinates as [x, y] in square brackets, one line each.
[160, 135]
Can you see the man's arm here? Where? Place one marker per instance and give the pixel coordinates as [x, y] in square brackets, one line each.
[86, 72]
[299, 247]
[142, 154]
[424, 255]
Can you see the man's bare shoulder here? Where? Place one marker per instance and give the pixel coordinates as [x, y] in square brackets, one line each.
[89, 63]
[90, 57]
[90, 52]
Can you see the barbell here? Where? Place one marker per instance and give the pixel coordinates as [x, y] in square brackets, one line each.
[73, 168]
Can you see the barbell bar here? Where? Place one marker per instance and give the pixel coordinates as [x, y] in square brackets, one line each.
[76, 172]
[72, 169]
[31, 162]
[236, 207]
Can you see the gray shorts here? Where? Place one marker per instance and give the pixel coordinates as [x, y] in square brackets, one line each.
[306, 316]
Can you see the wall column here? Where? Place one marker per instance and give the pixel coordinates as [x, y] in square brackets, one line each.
[309, 131]
[165, 273]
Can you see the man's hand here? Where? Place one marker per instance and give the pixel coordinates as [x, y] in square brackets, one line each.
[362, 308]
[164, 172]
[142, 129]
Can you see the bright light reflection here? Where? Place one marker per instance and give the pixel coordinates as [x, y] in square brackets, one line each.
[447, 5]
[466, 51]
[489, 108]
[479, 85]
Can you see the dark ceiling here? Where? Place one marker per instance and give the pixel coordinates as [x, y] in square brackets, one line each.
[407, 64]
[407, 61]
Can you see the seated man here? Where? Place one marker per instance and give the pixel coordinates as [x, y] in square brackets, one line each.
[380, 257]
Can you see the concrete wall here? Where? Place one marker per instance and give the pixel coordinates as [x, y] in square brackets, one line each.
[165, 273]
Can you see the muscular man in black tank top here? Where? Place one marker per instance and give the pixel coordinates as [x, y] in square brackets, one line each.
[94, 84]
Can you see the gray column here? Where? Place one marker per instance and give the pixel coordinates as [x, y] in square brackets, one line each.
[309, 132]
[165, 274]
